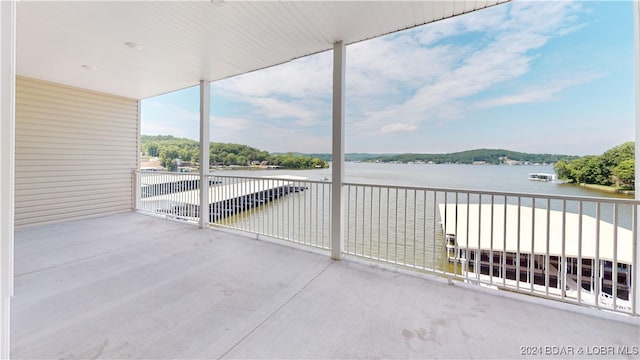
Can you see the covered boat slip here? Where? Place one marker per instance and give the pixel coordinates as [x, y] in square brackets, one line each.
[167, 183]
[509, 228]
[563, 255]
[225, 197]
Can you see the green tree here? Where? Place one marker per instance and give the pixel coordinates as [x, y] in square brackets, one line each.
[319, 163]
[152, 149]
[616, 155]
[169, 148]
[562, 170]
[241, 160]
[168, 156]
[614, 167]
[230, 159]
[624, 174]
[185, 154]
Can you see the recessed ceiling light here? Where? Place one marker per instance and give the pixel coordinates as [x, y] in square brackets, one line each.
[89, 67]
[133, 45]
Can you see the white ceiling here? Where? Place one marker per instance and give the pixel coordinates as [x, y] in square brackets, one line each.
[184, 42]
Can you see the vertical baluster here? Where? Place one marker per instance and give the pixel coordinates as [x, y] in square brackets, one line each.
[424, 229]
[579, 275]
[387, 229]
[504, 243]
[446, 211]
[348, 212]
[415, 222]
[633, 289]
[467, 234]
[433, 246]
[532, 255]
[547, 260]
[404, 233]
[614, 265]
[364, 226]
[457, 254]
[395, 239]
[379, 218]
[518, 239]
[491, 240]
[478, 257]
[371, 221]
[563, 263]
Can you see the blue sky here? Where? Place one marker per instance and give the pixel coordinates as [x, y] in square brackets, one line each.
[542, 76]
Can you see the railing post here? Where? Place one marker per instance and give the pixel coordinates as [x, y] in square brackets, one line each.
[337, 173]
[205, 103]
[7, 165]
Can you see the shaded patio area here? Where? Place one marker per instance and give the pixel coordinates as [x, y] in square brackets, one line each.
[137, 286]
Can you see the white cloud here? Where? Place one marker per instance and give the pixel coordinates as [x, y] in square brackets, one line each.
[539, 93]
[298, 91]
[413, 80]
[392, 128]
[436, 79]
[270, 136]
[308, 77]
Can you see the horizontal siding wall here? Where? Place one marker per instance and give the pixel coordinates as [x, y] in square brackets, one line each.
[75, 151]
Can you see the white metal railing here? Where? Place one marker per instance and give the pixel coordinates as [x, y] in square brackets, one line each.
[288, 208]
[174, 195]
[572, 249]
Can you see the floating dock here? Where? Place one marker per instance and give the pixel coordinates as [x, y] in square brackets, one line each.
[224, 199]
[161, 185]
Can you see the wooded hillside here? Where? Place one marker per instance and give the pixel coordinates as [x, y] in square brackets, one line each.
[616, 167]
[489, 156]
[169, 149]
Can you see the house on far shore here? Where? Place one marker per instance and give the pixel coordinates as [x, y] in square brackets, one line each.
[152, 164]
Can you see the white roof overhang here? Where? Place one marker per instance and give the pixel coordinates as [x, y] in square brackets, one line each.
[174, 45]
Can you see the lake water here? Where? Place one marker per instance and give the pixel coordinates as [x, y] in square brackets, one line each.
[450, 176]
[404, 225]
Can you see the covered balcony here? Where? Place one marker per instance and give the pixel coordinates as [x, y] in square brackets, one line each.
[102, 260]
[138, 286]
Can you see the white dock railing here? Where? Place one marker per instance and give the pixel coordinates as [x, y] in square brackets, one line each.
[572, 249]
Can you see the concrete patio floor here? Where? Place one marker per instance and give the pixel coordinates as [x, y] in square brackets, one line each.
[137, 286]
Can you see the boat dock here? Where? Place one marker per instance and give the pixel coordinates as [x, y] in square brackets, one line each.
[162, 185]
[224, 199]
[514, 242]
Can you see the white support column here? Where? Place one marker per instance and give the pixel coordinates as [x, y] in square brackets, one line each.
[636, 270]
[205, 106]
[7, 164]
[337, 173]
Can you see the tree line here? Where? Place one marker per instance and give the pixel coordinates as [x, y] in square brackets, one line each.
[616, 167]
[171, 150]
[489, 156]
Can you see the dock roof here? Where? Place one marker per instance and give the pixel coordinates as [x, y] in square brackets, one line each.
[221, 192]
[532, 234]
